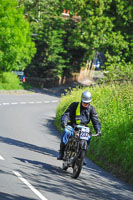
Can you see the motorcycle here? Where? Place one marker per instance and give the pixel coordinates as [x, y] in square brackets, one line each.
[76, 148]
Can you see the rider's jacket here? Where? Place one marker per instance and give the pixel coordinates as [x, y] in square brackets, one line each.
[77, 114]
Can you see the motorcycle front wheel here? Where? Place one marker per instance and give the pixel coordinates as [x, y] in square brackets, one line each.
[78, 165]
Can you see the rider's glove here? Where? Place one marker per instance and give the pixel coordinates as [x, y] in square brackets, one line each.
[63, 124]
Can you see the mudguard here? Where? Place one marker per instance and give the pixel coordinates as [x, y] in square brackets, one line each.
[84, 144]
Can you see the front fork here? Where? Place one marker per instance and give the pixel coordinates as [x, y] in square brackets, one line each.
[84, 145]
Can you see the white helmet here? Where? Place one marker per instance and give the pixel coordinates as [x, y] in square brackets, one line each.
[86, 97]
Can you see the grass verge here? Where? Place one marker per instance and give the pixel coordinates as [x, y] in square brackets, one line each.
[113, 103]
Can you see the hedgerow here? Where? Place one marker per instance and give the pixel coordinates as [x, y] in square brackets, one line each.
[113, 104]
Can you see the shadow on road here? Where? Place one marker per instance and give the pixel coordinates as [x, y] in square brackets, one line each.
[5, 196]
[28, 146]
[58, 91]
[53, 179]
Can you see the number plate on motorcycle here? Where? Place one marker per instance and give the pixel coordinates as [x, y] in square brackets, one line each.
[84, 135]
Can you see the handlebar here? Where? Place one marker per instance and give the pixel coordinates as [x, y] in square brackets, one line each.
[70, 128]
[95, 135]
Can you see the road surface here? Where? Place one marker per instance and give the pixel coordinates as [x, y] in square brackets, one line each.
[29, 144]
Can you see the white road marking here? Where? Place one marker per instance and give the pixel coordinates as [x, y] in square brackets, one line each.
[31, 102]
[30, 186]
[22, 102]
[39, 102]
[1, 158]
[55, 101]
[46, 101]
[14, 103]
[5, 104]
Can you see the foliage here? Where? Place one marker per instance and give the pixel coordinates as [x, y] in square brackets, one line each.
[16, 47]
[9, 81]
[105, 26]
[120, 71]
[56, 50]
[51, 53]
[114, 107]
[123, 21]
[64, 45]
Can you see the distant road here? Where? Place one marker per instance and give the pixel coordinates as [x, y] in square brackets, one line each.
[29, 144]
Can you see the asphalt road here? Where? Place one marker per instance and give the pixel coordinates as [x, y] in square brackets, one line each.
[29, 144]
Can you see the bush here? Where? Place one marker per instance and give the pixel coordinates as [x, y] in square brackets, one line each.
[121, 70]
[9, 81]
[114, 107]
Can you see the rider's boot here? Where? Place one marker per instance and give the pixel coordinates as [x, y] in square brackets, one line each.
[61, 152]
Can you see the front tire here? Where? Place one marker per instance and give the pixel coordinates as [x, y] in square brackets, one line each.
[78, 165]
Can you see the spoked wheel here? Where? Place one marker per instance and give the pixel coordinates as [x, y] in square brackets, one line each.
[78, 165]
[77, 168]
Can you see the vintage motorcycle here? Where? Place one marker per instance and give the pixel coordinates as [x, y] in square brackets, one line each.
[76, 148]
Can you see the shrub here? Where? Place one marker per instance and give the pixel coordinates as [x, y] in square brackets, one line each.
[9, 81]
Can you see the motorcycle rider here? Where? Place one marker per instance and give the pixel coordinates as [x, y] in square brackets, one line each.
[78, 113]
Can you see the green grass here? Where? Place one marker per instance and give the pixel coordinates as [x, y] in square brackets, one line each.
[114, 151]
[10, 81]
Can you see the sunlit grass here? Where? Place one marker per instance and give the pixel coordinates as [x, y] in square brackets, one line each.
[10, 81]
[114, 107]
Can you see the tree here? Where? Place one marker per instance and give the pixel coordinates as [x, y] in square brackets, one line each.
[105, 26]
[99, 28]
[16, 46]
[122, 16]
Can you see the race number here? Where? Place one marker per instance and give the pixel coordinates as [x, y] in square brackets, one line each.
[84, 135]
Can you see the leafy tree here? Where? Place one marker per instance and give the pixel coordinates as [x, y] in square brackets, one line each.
[55, 41]
[122, 15]
[105, 26]
[45, 21]
[16, 46]
[99, 28]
